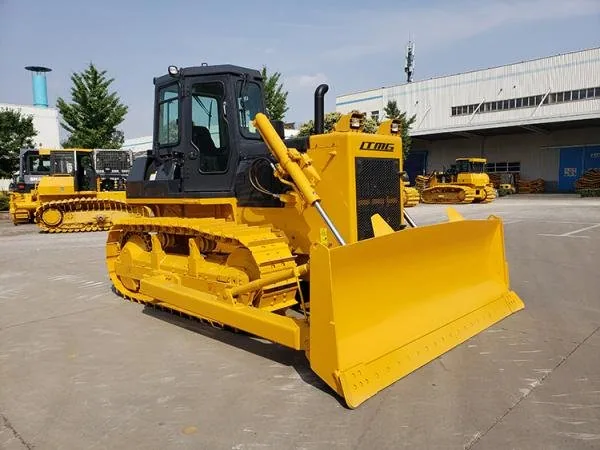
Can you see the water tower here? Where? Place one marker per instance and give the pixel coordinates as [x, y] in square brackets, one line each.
[38, 82]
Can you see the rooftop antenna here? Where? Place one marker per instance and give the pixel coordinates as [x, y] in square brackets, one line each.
[410, 61]
[38, 82]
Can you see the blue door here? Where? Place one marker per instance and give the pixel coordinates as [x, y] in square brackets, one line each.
[592, 158]
[415, 164]
[570, 168]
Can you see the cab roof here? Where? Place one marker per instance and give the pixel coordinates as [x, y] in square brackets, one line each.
[220, 69]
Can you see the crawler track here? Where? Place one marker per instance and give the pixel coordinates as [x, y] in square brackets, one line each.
[228, 255]
[83, 214]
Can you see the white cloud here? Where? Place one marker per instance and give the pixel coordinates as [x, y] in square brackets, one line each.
[433, 27]
[305, 81]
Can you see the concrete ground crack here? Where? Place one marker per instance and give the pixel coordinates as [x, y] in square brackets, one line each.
[15, 433]
[474, 440]
[57, 316]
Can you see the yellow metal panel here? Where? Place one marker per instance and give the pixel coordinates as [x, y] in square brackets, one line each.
[333, 156]
[50, 185]
[277, 328]
[383, 307]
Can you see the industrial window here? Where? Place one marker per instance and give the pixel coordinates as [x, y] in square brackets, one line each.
[493, 167]
[527, 102]
[168, 115]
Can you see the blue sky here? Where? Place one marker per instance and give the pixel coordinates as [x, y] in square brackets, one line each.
[351, 45]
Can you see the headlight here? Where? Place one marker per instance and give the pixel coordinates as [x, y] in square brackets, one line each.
[355, 122]
[395, 127]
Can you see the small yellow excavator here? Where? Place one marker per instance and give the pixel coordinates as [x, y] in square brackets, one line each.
[465, 182]
[304, 241]
[84, 190]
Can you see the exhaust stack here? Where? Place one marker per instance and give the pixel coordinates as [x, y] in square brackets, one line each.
[320, 108]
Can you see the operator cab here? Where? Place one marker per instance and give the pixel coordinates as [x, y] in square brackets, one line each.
[76, 163]
[204, 141]
[470, 165]
[33, 165]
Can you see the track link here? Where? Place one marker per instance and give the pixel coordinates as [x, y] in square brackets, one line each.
[490, 195]
[268, 250]
[411, 197]
[448, 194]
[83, 214]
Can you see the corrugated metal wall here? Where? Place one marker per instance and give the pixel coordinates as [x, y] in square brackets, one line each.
[432, 100]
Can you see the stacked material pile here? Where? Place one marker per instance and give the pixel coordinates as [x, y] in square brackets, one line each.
[495, 179]
[589, 183]
[531, 187]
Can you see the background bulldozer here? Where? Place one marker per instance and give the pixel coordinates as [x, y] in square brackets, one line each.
[23, 199]
[410, 195]
[304, 242]
[465, 182]
[84, 190]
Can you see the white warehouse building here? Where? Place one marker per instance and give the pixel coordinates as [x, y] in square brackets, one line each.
[536, 119]
[45, 122]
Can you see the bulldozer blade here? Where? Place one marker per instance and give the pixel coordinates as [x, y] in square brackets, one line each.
[385, 306]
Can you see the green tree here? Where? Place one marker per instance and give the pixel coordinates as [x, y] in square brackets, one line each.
[275, 96]
[392, 111]
[16, 132]
[307, 128]
[94, 114]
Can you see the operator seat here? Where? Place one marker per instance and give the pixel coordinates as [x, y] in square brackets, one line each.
[209, 153]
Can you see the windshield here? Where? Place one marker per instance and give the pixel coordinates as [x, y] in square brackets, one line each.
[465, 166]
[249, 103]
[462, 166]
[37, 164]
[477, 167]
[63, 162]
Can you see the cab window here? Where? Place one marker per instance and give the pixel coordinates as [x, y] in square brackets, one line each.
[62, 163]
[462, 166]
[38, 165]
[168, 115]
[209, 136]
[249, 103]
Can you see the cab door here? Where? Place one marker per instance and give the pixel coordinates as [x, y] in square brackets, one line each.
[209, 165]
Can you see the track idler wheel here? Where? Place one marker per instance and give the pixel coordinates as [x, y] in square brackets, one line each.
[52, 217]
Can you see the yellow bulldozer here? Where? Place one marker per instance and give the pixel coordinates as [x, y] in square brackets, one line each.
[465, 182]
[84, 190]
[23, 200]
[304, 242]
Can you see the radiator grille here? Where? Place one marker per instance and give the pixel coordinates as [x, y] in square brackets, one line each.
[377, 192]
[113, 161]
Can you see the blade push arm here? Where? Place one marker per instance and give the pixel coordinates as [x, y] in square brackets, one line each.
[299, 168]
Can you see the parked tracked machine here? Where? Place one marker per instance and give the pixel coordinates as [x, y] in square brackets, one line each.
[23, 201]
[411, 195]
[304, 241]
[84, 190]
[465, 182]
